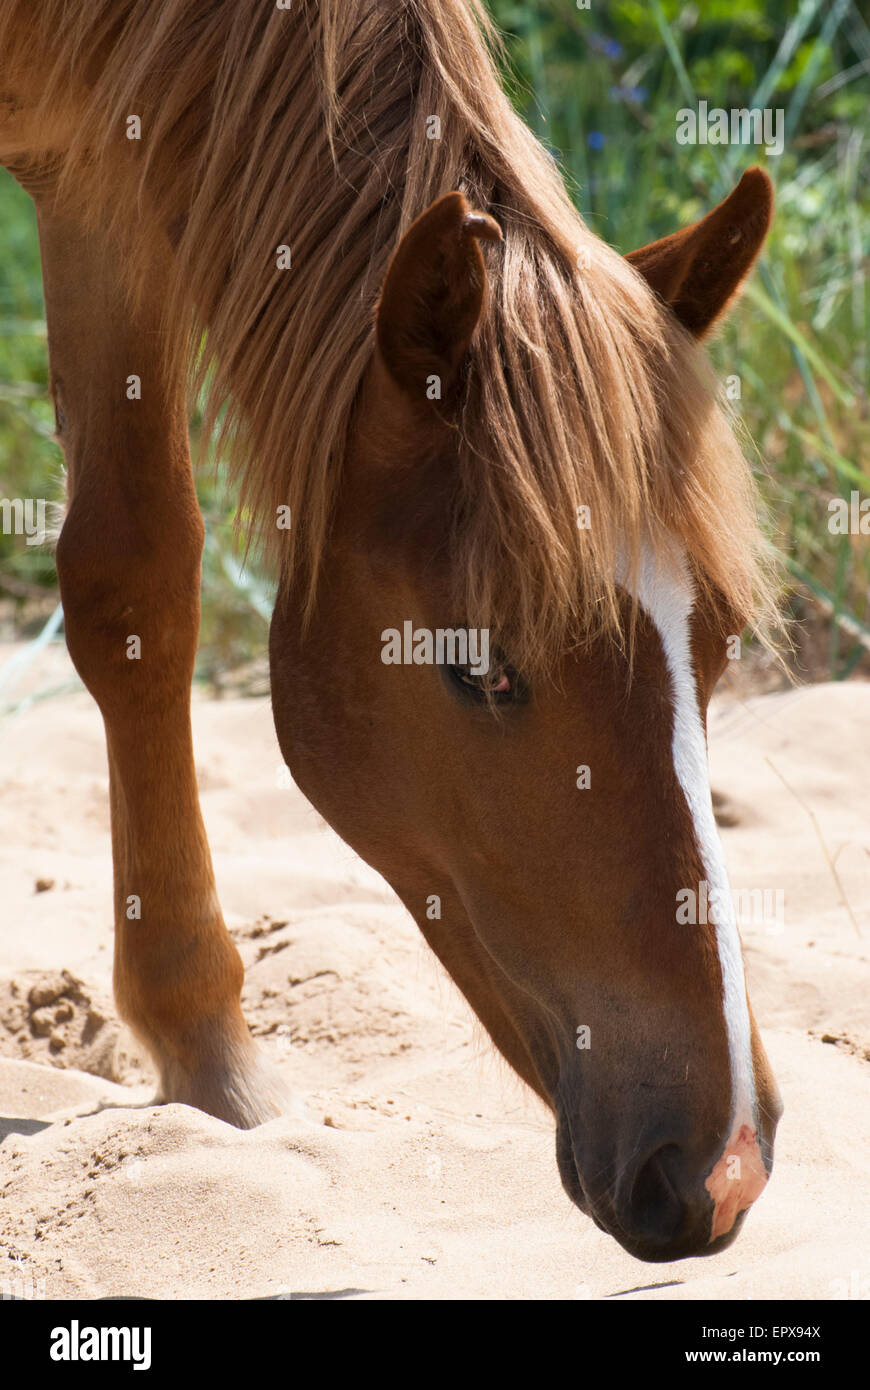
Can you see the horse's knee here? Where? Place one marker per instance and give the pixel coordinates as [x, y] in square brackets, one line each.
[130, 590]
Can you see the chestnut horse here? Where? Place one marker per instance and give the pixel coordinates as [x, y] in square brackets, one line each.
[453, 409]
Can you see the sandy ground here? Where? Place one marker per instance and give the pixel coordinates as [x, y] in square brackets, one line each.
[423, 1168]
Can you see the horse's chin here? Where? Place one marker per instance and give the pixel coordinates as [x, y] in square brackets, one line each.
[568, 1170]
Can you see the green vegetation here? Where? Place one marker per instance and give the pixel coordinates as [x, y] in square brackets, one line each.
[602, 87]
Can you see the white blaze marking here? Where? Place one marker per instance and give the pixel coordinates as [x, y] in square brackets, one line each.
[665, 590]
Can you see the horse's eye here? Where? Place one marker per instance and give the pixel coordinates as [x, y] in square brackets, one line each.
[500, 684]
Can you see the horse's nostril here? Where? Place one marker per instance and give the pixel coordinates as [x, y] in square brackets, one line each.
[655, 1208]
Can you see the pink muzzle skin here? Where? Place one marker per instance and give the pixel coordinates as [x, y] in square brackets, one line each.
[737, 1180]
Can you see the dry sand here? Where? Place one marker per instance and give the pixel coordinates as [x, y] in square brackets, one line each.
[421, 1168]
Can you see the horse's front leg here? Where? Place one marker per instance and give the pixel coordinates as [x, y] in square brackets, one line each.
[128, 563]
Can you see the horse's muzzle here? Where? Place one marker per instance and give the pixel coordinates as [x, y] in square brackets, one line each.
[657, 1207]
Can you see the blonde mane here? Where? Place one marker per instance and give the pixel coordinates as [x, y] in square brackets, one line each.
[309, 128]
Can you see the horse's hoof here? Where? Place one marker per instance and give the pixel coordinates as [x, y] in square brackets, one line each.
[236, 1084]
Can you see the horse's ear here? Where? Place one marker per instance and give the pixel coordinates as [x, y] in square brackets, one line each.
[432, 296]
[696, 271]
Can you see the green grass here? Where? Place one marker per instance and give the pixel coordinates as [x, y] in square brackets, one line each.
[602, 88]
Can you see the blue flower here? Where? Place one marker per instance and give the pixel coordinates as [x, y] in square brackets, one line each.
[611, 48]
[595, 140]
